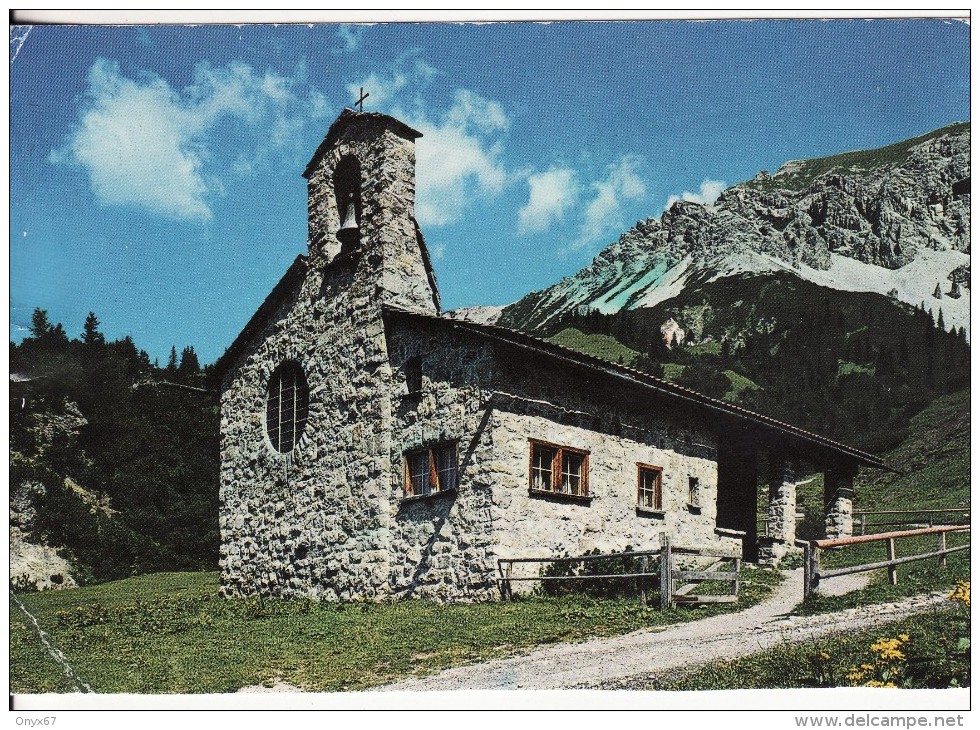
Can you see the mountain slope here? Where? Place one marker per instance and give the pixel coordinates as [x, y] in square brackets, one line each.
[854, 366]
[895, 221]
[112, 471]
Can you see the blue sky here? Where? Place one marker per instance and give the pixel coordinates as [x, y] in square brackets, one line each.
[155, 171]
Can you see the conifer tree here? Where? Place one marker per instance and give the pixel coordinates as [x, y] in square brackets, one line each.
[90, 331]
[189, 364]
[40, 324]
[172, 361]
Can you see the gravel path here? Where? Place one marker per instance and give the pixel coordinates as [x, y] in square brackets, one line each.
[607, 662]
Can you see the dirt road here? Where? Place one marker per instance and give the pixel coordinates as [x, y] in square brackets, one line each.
[601, 662]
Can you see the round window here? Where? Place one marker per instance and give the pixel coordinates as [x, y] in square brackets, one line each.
[287, 406]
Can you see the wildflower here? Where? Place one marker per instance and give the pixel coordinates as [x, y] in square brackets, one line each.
[961, 592]
[903, 637]
[824, 655]
[888, 649]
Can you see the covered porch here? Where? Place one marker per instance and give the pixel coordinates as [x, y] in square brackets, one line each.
[760, 480]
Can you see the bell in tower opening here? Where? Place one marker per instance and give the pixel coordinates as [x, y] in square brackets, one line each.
[347, 189]
[349, 234]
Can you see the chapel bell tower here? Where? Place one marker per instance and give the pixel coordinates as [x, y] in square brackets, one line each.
[361, 196]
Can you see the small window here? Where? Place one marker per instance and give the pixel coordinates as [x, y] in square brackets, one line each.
[559, 469]
[287, 406]
[649, 487]
[694, 491]
[413, 374]
[431, 470]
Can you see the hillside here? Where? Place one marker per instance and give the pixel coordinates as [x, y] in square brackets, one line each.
[853, 366]
[933, 462]
[113, 470]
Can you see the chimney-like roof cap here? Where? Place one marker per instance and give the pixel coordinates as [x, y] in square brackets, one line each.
[349, 117]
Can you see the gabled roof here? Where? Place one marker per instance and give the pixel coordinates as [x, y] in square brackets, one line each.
[608, 370]
[289, 282]
[348, 117]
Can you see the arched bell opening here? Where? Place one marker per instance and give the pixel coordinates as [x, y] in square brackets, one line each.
[347, 190]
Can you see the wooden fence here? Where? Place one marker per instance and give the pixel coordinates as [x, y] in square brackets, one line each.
[864, 519]
[913, 518]
[669, 574]
[813, 573]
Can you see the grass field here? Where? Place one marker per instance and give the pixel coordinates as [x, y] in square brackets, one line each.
[170, 632]
[604, 346]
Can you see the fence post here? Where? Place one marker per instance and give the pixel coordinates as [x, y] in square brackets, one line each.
[811, 570]
[738, 575]
[666, 569]
[942, 546]
[892, 569]
[643, 581]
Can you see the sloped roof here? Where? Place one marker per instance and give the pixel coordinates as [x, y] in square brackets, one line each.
[606, 369]
[349, 116]
[290, 280]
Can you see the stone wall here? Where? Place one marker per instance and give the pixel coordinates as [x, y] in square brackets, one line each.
[492, 401]
[317, 521]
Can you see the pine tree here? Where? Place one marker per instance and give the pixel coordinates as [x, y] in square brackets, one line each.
[90, 331]
[172, 361]
[941, 323]
[40, 324]
[189, 364]
[938, 293]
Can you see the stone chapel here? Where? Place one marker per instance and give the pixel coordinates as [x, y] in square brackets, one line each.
[374, 448]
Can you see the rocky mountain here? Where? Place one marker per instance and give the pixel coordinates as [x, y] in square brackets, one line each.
[893, 221]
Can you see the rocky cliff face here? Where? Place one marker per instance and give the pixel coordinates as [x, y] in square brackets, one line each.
[895, 220]
[35, 565]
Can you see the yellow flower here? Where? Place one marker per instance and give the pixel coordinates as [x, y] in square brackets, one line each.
[961, 592]
[903, 637]
[824, 655]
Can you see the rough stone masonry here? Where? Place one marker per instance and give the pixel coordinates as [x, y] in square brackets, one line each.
[390, 382]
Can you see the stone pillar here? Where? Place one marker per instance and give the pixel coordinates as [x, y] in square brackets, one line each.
[838, 490]
[783, 476]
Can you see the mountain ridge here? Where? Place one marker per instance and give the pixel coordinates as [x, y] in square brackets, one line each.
[895, 221]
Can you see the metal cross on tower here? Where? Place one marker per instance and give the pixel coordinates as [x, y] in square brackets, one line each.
[360, 102]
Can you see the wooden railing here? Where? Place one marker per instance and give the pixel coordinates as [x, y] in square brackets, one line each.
[912, 518]
[813, 573]
[898, 517]
[669, 574]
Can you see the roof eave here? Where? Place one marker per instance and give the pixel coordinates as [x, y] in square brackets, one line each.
[664, 387]
[293, 275]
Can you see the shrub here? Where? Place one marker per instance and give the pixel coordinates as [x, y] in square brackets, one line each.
[600, 587]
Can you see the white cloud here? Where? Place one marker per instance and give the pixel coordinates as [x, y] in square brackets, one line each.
[708, 194]
[350, 37]
[408, 71]
[146, 144]
[460, 158]
[550, 196]
[604, 212]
